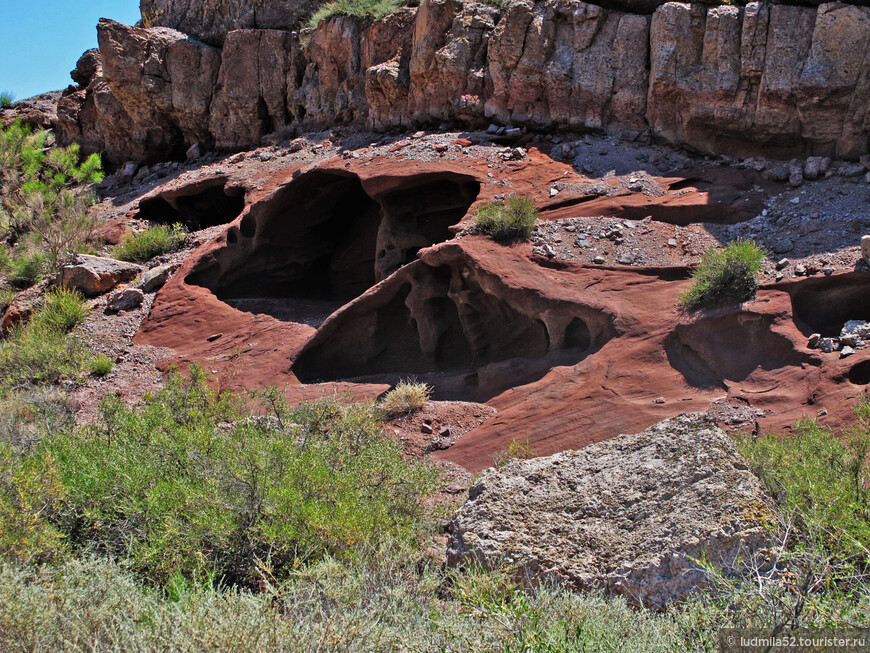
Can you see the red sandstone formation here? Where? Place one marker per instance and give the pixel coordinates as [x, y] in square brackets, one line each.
[346, 276]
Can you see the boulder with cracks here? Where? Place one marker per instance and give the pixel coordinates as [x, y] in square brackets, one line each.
[634, 515]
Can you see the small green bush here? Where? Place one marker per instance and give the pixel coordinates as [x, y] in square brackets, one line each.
[41, 351]
[407, 397]
[100, 365]
[24, 269]
[726, 275]
[61, 311]
[152, 242]
[34, 354]
[513, 218]
[6, 99]
[374, 9]
[7, 296]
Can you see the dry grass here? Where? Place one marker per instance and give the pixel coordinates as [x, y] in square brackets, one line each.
[406, 398]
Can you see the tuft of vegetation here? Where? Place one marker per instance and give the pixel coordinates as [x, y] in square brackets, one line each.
[42, 351]
[7, 296]
[7, 99]
[516, 450]
[374, 9]
[513, 218]
[407, 397]
[725, 275]
[25, 269]
[62, 310]
[152, 242]
[100, 365]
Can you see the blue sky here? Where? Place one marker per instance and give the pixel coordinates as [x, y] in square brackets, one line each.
[41, 40]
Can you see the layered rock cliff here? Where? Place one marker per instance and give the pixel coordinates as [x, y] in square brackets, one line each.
[772, 79]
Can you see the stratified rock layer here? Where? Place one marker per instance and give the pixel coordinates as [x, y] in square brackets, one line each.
[633, 515]
[773, 79]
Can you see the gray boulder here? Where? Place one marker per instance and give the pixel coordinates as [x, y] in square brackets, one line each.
[125, 300]
[631, 515]
[95, 275]
[155, 278]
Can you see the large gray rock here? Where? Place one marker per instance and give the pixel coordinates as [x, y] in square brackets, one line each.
[630, 515]
[95, 275]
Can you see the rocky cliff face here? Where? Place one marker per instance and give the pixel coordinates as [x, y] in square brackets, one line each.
[211, 20]
[773, 79]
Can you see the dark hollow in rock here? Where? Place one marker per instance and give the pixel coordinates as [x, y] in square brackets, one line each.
[326, 237]
[197, 206]
[712, 351]
[860, 373]
[823, 305]
[455, 327]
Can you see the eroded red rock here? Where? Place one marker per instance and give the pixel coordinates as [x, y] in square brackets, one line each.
[345, 277]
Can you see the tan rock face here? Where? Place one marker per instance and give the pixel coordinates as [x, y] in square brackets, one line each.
[773, 79]
[631, 516]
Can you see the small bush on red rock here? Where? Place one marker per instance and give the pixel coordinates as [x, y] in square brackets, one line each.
[725, 275]
[509, 219]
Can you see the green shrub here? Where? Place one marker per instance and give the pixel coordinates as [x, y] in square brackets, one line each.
[726, 275]
[41, 351]
[25, 269]
[36, 354]
[407, 397]
[513, 218]
[7, 296]
[821, 479]
[374, 9]
[152, 242]
[190, 487]
[6, 99]
[100, 365]
[42, 207]
[62, 309]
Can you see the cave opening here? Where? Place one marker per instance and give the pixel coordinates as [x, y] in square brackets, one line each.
[860, 374]
[449, 330]
[327, 238]
[195, 208]
[824, 305]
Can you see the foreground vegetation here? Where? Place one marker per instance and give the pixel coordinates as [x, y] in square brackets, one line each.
[190, 524]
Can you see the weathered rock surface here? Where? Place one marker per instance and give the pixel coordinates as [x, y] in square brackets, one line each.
[210, 20]
[783, 80]
[125, 300]
[155, 278]
[631, 515]
[94, 275]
